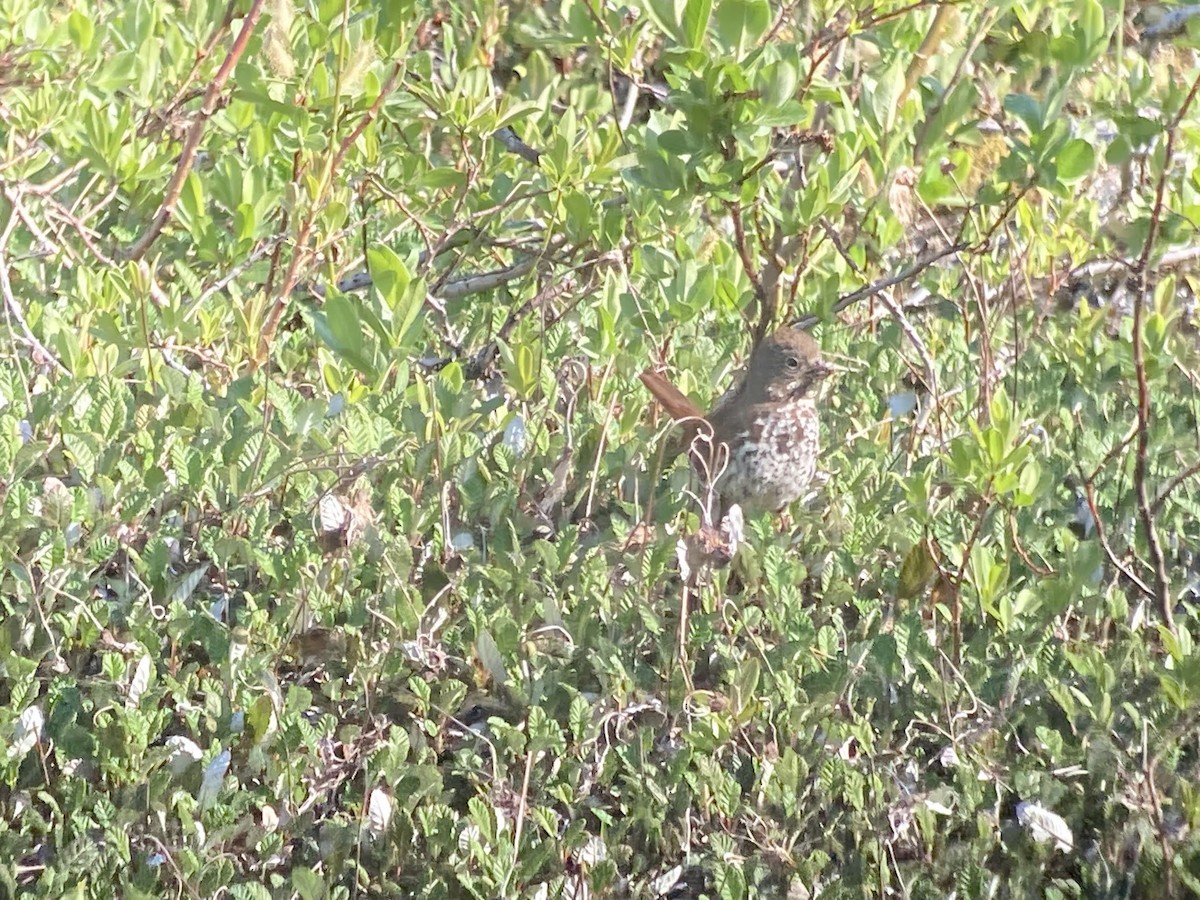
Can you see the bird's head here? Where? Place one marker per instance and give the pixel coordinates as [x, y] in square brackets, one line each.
[785, 366]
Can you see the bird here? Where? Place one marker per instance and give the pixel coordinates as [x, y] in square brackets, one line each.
[761, 440]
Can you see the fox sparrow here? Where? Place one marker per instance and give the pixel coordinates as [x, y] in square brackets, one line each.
[761, 439]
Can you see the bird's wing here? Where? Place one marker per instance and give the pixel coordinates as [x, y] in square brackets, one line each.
[672, 399]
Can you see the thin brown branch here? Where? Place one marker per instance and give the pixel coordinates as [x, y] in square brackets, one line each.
[42, 354]
[367, 119]
[766, 305]
[476, 365]
[53, 183]
[961, 575]
[1171, 485]
[877, 287]
[184, 91]
[1162, 584]
[1113, 451]
[933, 37]
[1102, 536]
[302, 252]
[192, 143]
[1149, 766]
[1014, 535]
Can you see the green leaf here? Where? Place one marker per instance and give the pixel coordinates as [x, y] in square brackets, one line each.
[1027, 109]
[1027, 484]
[81, 29]
[244, 222]
[916, 571]
[668, 15]
[780, 81]
[741, 22]
[679, 142]
[1093, 30]
[516, 113]
[444, 178]
[886, 94]
[489, 656]
[345, 327]
[265, 105]
[340, 328]
[404, 297]
[747, 683]
[695, 22]
[308, 884]
[190, 209]
[1075, 160]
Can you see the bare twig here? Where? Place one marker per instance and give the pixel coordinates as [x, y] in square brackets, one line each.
[1102, 536]
[348, 141]
[931, 379]
[1149, 766]
[1162, 585]
[1113, 451]
[486, 281]
[302, 252]
[1173, 483]
[231, 275]
[877, 287]
[512, 142]
[10, 301]
[477, 363]
[1104, 266]
[1015, 537]
[192, 143]
[53, 183]
[766, 304]
[184, 90]
[522, 806]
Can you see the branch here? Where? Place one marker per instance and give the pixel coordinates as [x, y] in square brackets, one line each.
[933, 37]
[486, 281]
[192, 142]
[301, 254]
[1102, 536]
[1171, 485]
[1105, 266]
[10, 300]
[766, 304]
[877, 287]
[513, 144]
[1162, 585]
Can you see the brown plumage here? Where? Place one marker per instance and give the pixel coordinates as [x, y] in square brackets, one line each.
[761, 439]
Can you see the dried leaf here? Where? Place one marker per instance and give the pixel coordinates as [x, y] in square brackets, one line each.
[138, 683]
[334, 518]
[214, 777]
[489, 656]
[26, 732]
[185, 753]
[379, 812]
[916, 570]
[1045, 826]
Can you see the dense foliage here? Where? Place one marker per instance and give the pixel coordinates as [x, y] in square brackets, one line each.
[343, 556]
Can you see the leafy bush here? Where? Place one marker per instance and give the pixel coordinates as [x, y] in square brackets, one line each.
[345, 557]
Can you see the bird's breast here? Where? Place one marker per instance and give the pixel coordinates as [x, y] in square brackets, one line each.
[772, 453]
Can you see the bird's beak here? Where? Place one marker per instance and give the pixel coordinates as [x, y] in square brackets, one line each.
[824, 369]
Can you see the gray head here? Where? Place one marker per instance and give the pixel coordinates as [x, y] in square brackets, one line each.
[785, 366]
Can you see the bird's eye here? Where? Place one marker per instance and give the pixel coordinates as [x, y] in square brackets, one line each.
[793, 363]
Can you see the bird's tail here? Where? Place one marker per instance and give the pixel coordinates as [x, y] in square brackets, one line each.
[673, 400]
